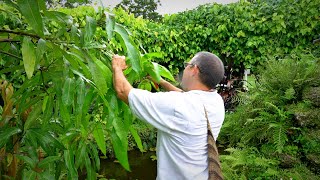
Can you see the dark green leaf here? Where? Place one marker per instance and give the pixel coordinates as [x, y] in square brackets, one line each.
[29, 175]
[48, 160]
[28, 160]
[94, 153]
[80, 154]
[69, 160]
[7, 133]
[33, 116]
[31, 11]
[120, 150]
[29, 56]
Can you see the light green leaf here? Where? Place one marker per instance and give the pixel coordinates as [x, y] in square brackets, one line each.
[110, 23]
[107, 74]
[68, 91]
[59, 17]
[164, 72]
[31, 11]
[29, 56]
[98, 77]
[154, 71]
[136, 138]
[41, 49]
[145, 84]
[90, 29]
[99, 136]
[132, 51]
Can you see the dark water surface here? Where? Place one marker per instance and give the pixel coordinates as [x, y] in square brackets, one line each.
[141, 165]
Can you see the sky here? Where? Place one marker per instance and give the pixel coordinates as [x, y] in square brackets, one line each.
[172, 6]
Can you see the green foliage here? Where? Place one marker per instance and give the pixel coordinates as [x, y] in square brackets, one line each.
[243, 34]
[277, 121]
[56, 81]
[143, 8]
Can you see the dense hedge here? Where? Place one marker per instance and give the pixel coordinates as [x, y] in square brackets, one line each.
[246, 33]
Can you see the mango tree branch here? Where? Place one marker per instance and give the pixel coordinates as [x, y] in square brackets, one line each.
[9, 54]
[8, 40]
[19, 33]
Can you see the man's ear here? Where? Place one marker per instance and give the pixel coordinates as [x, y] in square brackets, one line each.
[195, 70]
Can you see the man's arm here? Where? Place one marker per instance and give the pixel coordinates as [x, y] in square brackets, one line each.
[168, 86]
[120, 82]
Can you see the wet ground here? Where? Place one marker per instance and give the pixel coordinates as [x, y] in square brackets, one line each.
[141, 164]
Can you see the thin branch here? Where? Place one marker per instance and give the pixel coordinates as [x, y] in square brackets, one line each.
[9, 54]
[8, 40]
[20, 33]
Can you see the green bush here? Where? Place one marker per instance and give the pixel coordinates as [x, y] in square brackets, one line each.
[278, 121]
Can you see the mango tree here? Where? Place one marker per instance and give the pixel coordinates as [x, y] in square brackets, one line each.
[56, 83]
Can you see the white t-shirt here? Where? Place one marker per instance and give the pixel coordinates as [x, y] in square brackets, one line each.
[182, 129]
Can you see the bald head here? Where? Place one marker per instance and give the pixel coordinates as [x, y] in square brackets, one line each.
[211, 68]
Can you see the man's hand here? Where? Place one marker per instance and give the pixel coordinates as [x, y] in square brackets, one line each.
[119, 62]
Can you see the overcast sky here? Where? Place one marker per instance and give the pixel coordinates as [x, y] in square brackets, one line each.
[172, 6]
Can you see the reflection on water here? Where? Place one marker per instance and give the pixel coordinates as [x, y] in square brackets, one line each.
[142, 167]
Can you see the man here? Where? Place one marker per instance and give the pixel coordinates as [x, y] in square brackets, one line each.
[179, 115]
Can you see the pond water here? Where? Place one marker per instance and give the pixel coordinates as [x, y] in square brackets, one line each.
[141, 164]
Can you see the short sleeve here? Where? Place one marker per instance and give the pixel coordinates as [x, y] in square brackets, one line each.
[158, 109]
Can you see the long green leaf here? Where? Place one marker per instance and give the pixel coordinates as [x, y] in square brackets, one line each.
[48, 160]
[98, 76]
[110, 22]
[31, 11]
[91, 175]
[99, 136]
[69, 160]
[59, 17]
[33, 116]
[94, 153]
[90, 29]
[68, 91]
[41, 49]
[29, 175]
[7, 133]
[80, 154]
[120, 150]
[29, 56]
[136, 138]
[132, 51]
[28, 160]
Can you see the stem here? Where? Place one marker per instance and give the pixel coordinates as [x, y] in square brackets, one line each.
[9, 54]
[8, 40]
[20, 33]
